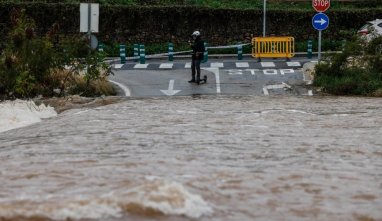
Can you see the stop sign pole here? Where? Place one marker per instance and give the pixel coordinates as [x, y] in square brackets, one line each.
[320, 21]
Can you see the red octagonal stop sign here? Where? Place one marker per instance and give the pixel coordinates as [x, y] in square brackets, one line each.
[321, 5]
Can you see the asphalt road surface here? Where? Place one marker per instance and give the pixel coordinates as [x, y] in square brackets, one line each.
[229, 77]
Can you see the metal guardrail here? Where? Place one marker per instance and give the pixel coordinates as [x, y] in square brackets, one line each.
[142, 57]
[273, 47]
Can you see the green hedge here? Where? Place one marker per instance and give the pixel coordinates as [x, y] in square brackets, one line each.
[236, 4]
[154, 25]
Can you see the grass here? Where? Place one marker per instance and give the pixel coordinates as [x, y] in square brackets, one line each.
[73, 83]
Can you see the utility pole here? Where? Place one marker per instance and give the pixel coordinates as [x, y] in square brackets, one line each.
[89, 24]
[265, 17]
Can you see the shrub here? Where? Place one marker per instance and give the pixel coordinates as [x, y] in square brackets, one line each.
[356, 71]
[31, 65]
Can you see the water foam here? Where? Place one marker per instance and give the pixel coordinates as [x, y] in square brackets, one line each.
[20, 113]
[151, 198]
[167, 197]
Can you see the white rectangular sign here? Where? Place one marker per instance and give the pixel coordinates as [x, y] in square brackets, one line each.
[84, 17]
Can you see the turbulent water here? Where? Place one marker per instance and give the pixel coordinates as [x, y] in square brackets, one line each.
[198, 158]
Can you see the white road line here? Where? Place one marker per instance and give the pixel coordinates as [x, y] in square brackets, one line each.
[293, 64]
[166, 66]
[275, 86]
[267, 64]
[125, 89]
[188, 65]
[141, 66]
[118, 66]
[242, 65]
[217, 77]
[265, 90]
[217, 65]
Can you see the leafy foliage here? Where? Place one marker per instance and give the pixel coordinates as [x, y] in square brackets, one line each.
[29, 65]
[356, 71]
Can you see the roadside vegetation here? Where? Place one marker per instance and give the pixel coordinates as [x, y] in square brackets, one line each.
[356, 71]
[33, 66]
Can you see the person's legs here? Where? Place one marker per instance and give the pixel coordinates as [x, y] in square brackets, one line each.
[197, 64]
[192, 71]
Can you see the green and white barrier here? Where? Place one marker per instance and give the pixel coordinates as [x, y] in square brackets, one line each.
[136, 51]
[240, 52]
[205, 54]
[122, 53]
[310, 49]
[170, 51]
[100, 47]
[142, 54]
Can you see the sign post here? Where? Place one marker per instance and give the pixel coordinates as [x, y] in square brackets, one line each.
[320, 21]
[89, 16]
[264, 17]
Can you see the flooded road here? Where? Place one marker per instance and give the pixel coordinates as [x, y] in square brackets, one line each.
[198, 158]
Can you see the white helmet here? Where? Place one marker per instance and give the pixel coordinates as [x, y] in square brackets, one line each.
[196, 33]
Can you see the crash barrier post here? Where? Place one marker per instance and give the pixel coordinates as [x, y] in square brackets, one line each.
[240, 51]
[142, 54]
[122, 53]
[170, 51]
[205, 54]
[136, 51]
[100, 47]
[273, 47]
[310, 49]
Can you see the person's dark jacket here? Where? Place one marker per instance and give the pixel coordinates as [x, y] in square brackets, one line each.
[198, 49]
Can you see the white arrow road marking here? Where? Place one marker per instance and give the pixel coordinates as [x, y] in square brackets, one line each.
[275, 86]
[321, 22]
[170, 91]
[217, 77]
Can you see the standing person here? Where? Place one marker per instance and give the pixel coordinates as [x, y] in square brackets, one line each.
[197, 56]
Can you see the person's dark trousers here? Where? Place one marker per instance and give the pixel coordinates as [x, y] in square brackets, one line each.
[195, 67]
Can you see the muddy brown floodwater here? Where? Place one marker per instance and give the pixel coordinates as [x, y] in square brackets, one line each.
[198, 158]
